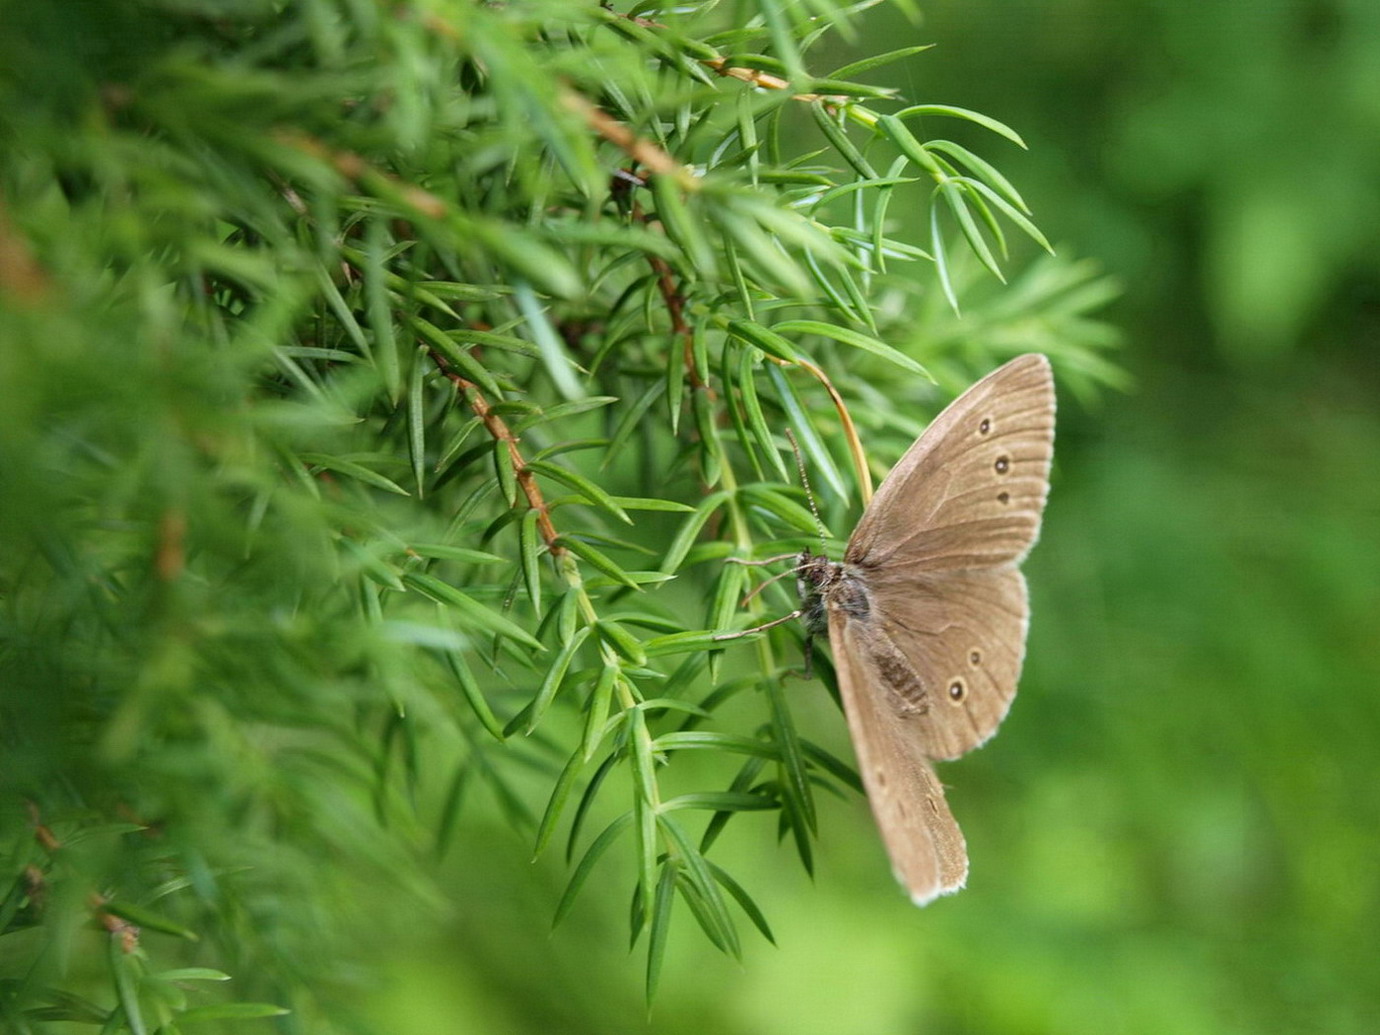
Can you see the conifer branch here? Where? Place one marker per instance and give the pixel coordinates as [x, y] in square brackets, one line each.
[499, 430]
[242, 578]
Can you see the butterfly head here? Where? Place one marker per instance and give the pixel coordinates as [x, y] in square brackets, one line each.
[814, 575]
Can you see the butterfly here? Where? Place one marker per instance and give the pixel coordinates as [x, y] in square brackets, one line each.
[928, 610]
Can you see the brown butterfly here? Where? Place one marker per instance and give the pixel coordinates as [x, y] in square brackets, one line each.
[927, 613]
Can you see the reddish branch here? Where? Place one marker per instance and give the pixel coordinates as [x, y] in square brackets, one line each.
[751, 76]
[42, 834]
[171, 555]
[767, 81]
[115, 926]
[670, 293]
[642, 151]
[22, 279]
[675, 305]
[624, 180]
[655, 160]
[365, 175]
[36, 887]
[502, 433]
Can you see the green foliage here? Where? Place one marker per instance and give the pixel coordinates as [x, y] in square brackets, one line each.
[1211, 152]
[387, 390]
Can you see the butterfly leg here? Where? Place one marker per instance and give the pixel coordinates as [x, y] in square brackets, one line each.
[739, 634]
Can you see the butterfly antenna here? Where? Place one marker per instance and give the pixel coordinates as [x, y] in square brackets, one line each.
[775, 578]
[809, 493]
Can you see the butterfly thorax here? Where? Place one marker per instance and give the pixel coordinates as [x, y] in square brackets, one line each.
[822, 584]
[826, 586]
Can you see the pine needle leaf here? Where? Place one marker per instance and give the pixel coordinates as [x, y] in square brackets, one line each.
[486, 618]
[857, 340]
[659, 919]
[354, 470]
[986, 121]
[556, 803]
[555, 675]
[582, 870]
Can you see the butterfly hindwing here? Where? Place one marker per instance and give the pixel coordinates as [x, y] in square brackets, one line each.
[962, 638]
[926, 847]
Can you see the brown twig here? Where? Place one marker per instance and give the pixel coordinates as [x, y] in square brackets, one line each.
[42, 833]
[170, 556]
[658, 162]
[22, 279]
[751, 76]
[365, 175]
[641, 150]
[498, 428]
[116, 926]
[624, 180]
[767, 81]
[675, 306]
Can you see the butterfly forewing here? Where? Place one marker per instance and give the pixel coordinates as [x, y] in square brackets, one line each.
[969, 493]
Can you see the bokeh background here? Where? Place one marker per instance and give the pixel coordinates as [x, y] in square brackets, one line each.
[1178, 829]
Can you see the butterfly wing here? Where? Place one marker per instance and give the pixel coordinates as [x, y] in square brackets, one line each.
[957, 641]
[925, 845]
[971, 490]
[938, 546]
[928, 617]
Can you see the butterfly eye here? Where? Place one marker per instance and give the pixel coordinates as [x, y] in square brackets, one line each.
[985, 426]
[957, 691]
[975, 658]
[1003, 464]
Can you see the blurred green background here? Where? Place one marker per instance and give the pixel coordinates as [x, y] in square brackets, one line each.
[1177, 829]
